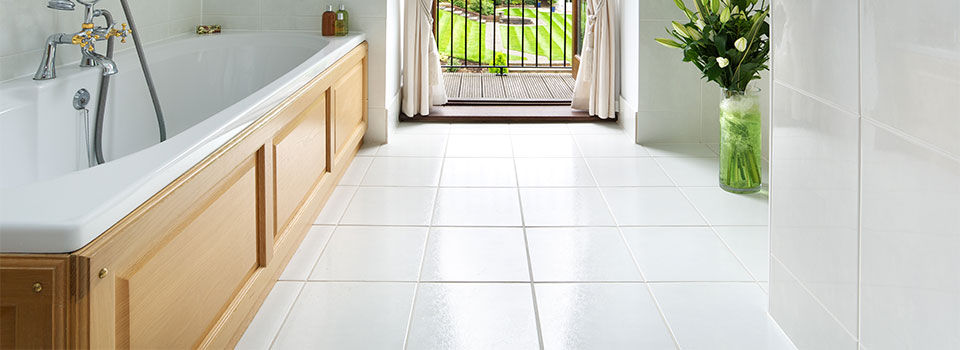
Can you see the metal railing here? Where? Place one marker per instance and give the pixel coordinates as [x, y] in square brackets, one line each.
[499, 35]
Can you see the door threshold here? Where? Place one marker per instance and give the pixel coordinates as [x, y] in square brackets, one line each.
[505, 114]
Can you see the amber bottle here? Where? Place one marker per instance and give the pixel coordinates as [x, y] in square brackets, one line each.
[329, 22]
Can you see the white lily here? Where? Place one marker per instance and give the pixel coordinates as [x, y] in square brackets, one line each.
[723, 62]
[741, 44]
[700, 24]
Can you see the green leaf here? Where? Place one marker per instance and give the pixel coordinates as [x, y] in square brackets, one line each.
[669, 43]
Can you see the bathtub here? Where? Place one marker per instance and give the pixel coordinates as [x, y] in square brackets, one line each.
[210, 88]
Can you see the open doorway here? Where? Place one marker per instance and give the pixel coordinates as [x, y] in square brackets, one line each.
[509, 60]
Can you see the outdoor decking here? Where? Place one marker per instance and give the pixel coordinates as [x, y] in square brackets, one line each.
[513, 87]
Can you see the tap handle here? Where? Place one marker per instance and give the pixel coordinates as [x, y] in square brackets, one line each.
[121, 33]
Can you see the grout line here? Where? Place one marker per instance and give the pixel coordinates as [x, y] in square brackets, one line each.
[712, 227]
[526, 244]
[633, 257]
[286, 316]
[426, 244]
[816, 299]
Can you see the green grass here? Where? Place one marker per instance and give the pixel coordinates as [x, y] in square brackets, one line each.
[529, 36]
[470, 52]
[532, 36]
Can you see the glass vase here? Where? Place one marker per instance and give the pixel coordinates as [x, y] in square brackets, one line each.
[740, 141]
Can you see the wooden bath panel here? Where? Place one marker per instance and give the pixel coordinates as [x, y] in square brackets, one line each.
[190, 267]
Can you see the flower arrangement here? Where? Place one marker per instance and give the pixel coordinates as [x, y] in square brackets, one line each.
[728, 40]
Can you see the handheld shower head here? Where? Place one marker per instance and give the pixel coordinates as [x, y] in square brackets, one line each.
[62, 5]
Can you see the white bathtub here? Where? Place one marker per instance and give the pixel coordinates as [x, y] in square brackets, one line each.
[210, 89]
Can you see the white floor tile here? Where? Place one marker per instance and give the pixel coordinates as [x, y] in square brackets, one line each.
[728, 209]
[539, 129]
[354, 174]
[752, 245]
[554, 172]
[580, 254]
[693, 172]
[415, 128]
[719, 316]
[545, 146]
[683, 254]
[372, 254]
[411, 145]
[564, 207]
[403, 171]
[475, 254]
[368, 149]
[336, 205]
[473, 316]
[299, 267]
[612, 172]
[331, 315]
[653, 206]
[478, 172]
[265, 325]
[479, 146]
[601, 316]
[480, 128]
[477, 207]
[603, 128]
[697, 150]
[390, 206]
[607, 146]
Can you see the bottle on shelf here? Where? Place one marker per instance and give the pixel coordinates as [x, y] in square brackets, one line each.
[329, 22]
[343, 21]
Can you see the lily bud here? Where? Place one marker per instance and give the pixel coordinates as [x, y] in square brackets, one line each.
[741, 44]
[723, 62]
[693, 33]
[680, 29]
[700, 24]
[669, 43]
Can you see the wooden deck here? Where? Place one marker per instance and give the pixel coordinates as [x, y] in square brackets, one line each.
[513, 87]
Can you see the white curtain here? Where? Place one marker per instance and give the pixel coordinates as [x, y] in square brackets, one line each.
[596, 87]
[422, 77]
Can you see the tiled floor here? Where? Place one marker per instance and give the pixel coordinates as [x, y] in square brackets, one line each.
[547, 236]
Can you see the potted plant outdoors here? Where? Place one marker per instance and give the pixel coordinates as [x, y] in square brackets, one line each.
[728, 40]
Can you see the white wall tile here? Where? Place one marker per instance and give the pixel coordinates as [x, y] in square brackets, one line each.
[911, 236]
[815, 212]
[911, 68]
[815, 48]
[804, 319]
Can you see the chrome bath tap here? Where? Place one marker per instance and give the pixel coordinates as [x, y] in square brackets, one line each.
[88, 35]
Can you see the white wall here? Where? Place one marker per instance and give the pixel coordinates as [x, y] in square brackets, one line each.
[25, 25]
[379, 19]
[865, 191]
[674, 104]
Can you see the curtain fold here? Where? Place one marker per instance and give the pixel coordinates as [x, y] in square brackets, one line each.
[422, 75]
[595, 90]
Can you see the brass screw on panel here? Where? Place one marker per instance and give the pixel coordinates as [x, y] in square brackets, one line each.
[37, 287]
[103, 272]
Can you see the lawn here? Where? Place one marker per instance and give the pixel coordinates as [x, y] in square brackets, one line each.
[471, 52]
[525, 37]
[534, 35]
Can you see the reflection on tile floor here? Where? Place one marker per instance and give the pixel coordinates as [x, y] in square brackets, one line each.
[526, 236]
